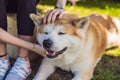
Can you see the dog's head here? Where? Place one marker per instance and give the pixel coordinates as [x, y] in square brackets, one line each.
[61, 37]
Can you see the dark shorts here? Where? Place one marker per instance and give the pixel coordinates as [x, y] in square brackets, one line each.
[23, 8]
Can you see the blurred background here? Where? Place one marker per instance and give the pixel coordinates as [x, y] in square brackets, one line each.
[85, 7]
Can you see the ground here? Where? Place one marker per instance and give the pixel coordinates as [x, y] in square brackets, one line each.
[107, 69]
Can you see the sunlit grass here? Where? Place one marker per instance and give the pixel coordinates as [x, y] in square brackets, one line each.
[115, 52]
[108, 9]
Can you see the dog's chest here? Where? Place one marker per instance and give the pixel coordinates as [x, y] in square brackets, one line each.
[61, 64]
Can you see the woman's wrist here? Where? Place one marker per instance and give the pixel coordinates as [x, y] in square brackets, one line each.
[59, 6]
[36, 48]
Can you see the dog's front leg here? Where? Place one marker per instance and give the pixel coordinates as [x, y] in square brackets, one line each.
[44, 71]
[77, 77]
[84, 69]
[86, 75]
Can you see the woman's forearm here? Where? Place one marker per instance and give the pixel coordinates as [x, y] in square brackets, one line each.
[8, 38]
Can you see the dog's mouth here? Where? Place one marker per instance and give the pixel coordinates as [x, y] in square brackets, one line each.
[52, 54]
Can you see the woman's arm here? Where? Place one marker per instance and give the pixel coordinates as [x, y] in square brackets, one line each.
[8, 38]
[57, 12]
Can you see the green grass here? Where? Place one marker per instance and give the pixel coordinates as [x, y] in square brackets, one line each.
[86, 7]
[107, 69]
[109, 66]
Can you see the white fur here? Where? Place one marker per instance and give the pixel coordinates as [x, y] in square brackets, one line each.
[75, 58]
[117, 23]
[114, 38]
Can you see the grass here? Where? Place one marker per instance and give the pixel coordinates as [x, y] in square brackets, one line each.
[87, 7]
[107, 69]
[109, 66]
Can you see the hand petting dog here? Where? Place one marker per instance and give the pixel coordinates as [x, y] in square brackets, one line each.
[52, 15]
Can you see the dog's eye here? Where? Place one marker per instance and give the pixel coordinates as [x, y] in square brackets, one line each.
[45, 32]
[61, 33]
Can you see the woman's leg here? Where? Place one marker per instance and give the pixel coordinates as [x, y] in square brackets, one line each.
[3, 25]
[25, 24]
[4, 61]
[21, 68]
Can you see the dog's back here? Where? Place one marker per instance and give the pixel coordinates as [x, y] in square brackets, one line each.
[112, 26]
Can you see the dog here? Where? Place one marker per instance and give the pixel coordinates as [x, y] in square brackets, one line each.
[75, 43]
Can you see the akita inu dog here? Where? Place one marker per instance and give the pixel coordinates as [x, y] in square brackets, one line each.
[75, 44]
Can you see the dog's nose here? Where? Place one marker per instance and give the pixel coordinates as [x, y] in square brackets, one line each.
[47, 43]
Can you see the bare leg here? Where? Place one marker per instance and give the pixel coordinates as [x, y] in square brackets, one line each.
[3, 25]
[22, 51]
[3, 50]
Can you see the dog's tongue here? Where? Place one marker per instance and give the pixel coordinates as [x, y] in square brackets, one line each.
[50, 52]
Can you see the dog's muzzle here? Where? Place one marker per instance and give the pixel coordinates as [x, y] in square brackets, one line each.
[53, 54]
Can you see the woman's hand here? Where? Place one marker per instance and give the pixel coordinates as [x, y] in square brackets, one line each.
[52, 15]
[37, 48]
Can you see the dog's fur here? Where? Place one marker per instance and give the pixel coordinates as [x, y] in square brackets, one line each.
[83, 41]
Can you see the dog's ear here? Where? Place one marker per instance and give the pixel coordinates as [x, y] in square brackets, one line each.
[82, 23]
[37, 19]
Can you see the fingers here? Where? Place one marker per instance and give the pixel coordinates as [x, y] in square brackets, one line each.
[46, 16]
[60, 15]
[52, 15]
